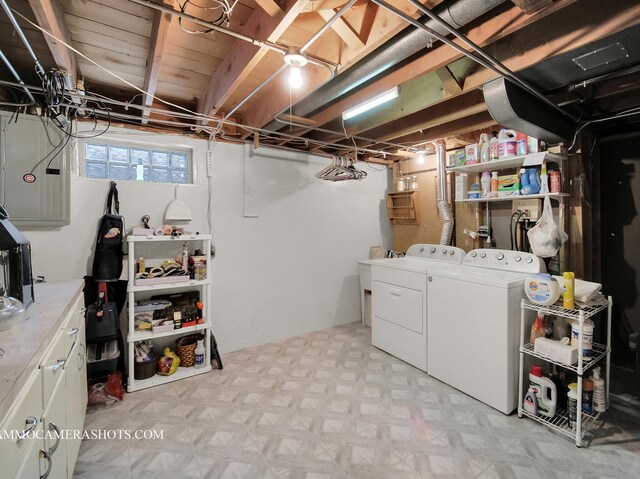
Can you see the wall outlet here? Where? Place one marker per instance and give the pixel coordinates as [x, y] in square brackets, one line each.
[531, 207]
[209, 163]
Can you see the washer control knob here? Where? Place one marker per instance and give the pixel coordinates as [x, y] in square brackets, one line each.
[529, 260]
[474, 254]
[421, 249]
[518, 259]
[483, 255]
[432, 249]
[444, 251]
[499, 256]
[451, 252]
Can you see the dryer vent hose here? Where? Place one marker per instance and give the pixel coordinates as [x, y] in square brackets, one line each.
[443, 205]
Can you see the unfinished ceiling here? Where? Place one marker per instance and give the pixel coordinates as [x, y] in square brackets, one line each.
[226, 60]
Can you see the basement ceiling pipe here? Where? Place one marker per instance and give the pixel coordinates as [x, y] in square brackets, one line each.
[400, 47]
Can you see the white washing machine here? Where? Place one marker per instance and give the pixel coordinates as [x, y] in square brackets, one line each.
[399, 300]
[474, 323]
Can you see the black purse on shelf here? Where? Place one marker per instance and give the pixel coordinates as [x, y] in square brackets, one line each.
[107, 260]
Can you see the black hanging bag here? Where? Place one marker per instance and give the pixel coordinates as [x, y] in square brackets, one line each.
[107, 261]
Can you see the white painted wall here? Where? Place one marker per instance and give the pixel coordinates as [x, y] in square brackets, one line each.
[289, 271]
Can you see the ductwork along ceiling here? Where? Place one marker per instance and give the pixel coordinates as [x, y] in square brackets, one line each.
[219, 68]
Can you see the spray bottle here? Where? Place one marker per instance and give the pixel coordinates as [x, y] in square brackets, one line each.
[544, 179]
[599, 395]
[200, 353]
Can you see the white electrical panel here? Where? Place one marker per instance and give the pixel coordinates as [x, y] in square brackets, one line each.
[33, 194]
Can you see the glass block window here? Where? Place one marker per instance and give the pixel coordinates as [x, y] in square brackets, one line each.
[117, 161]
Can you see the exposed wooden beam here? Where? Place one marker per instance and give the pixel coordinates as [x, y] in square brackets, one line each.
[270, 6]
[50, 16]
[243, 57]
[532, 6]
[157, 43]
[444, 130]
[274, 99]
[501, 25]
[450, 83]
[343, 29]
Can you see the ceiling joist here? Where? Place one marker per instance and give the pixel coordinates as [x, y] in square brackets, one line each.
[50, 16]
[157, 43]
[243, 57]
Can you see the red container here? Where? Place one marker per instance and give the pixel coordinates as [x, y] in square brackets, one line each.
[556, 184]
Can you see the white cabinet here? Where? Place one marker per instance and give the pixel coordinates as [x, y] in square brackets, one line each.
[54, 421]
[76, 399]
[52, 401]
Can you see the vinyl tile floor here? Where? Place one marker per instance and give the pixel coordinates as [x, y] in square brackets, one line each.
[330, 405]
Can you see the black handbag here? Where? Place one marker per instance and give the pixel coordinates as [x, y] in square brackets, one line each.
[107, 261]
[102, 320]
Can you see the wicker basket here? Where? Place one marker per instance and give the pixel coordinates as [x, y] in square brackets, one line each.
[186, 347]
[145, 369]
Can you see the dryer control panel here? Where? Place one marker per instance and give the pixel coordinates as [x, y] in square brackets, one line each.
[507, 260]
[450, 254]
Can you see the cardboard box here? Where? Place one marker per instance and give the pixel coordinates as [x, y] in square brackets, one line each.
[459, 157]
[508, 185]
[462, 186]
[471, 154]
[556, 351]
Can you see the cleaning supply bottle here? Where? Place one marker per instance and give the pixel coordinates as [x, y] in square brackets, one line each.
[493, 146]
[485, 181]
[530, 403]
[572, 404]
[544, 179]
[494, 184]
[506, 143]
[587, 395]
[200, 354]
[569, 284]
[537, 329]
[599, 396]
[483, 147]
[545, 390]
[521, 144]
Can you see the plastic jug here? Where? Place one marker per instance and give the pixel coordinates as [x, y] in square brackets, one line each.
[483, 147]
[545, 390]
[506, 143]
[493, 146]
[530, 181]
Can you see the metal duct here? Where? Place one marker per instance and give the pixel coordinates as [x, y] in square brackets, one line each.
[400, 47]
[515, 108]
[443, 205]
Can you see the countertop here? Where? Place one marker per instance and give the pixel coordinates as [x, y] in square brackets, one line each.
[26, 343]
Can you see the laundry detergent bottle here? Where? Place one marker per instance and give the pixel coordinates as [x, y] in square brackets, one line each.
[545, 390]
[506, 143]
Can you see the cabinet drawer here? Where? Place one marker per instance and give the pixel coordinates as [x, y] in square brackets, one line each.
[399, 305]
[72, 323]
[26, 413]
[52, 367]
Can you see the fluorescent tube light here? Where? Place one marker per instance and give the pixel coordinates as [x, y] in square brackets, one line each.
[372, 103]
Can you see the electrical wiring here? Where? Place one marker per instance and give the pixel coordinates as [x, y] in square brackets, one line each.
[53, 87]
[223, 18]
[192, 114]
[622, 114]
[59, 149]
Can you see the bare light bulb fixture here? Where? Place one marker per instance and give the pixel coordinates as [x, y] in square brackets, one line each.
[296, 61]
[422, 156]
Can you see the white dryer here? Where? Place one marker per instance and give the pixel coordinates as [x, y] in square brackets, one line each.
[399, 300]
[474, 322]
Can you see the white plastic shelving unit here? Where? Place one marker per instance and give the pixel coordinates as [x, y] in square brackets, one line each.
[560, 422]
[203, 286]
